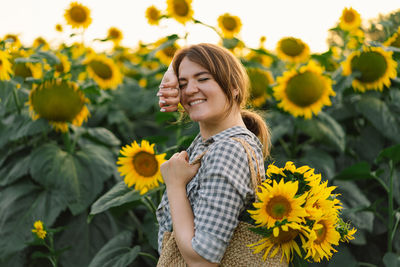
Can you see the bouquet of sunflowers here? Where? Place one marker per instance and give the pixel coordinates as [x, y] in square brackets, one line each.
[296, 212]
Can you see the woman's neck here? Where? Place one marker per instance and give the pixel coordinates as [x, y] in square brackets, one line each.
[208, 129]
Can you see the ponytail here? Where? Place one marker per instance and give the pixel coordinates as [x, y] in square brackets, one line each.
[256, 124]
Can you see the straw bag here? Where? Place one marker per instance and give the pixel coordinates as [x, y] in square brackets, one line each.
[237, 253]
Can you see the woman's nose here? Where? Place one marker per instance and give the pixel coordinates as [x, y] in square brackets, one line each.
[191, 88]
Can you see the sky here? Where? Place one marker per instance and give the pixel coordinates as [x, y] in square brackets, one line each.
[309, 20]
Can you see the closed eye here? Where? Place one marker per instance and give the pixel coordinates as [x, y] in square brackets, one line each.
[203, 79]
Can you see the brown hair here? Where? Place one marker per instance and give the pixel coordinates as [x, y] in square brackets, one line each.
[230, 74]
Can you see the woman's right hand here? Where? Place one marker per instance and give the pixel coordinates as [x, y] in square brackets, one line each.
[169, 93]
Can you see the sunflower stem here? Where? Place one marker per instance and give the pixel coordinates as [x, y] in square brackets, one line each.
[150, 205]
[284, 146]
[67, 142]
[390, 210]
[209, 26]
[16, 100]
[293, 150]
[137, 222]
[148, 255]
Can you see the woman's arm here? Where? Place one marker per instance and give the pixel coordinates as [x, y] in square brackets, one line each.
[177, 172]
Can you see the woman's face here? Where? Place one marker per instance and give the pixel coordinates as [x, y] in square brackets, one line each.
[201, 96]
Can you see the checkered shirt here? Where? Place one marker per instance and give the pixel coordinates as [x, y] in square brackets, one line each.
[218, 193]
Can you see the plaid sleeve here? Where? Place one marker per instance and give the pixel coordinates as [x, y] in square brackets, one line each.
[223, 187]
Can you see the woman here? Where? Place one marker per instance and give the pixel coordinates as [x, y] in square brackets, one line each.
[202, 202]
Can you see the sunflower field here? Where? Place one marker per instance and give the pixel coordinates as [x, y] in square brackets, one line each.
[82, 139]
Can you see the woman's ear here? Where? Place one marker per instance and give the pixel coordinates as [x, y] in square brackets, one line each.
[235, 93]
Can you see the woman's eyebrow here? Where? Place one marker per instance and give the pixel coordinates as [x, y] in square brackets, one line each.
[195, 75]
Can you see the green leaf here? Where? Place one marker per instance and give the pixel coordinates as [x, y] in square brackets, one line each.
[117, 252]
[321, 161]
[50, 57]
[391, 260]
[103, 136]
[80, 176]
[377, 112]
[358, 171]
[13, 170]
[84, 240]
[391, 153]
[280, 125]
[342, 258]
[22, 204]
[353, 198]
[324, 128]
[118, 195]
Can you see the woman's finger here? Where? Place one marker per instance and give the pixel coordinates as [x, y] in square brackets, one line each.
[171, 101]
[173, 92]
[169, 108]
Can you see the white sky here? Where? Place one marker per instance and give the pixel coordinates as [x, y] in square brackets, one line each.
[308, 20]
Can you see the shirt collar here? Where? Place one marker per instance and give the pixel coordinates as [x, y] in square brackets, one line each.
[233, 131]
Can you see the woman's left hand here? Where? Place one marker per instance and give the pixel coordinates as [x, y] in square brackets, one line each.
[177, 172]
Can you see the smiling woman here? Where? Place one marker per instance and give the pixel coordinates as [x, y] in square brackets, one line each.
[203, 202]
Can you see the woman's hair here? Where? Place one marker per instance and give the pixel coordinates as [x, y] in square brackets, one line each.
[230, 74]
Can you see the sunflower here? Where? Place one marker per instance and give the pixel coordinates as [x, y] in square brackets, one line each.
[153, 15]
[346, 234]
[59, 27]
[28, 69]
[13, 42]
[259, 57]
[115, 35]
[260, 80]
[5, 66]
[393, 40]
[293, 50]
[141, 166]
[39, 230]
[60, 102]
[180, 10]
[104, 71]
[375, 67]
[230, 25]
[321, 238]
[350, 19]
[63, 67]
[78, 16]
[41, 42]
[277, 203]
[167, 53]
[320, 201]
[305, 91]
[283, 238]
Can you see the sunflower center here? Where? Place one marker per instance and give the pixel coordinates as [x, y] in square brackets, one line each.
[78, 14]
[59, 67]
[229, 23]
[285, 236]
[371, 64]
[102, 70]
[304, 89]
[321, 234]
[181, 8]
[57, 102]
[259, 83]
[114, 34]
[291, 47]
[22, 70]
[349, 16]
[145, 164]
[278, 207]
[169, 51]
[153, 14]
